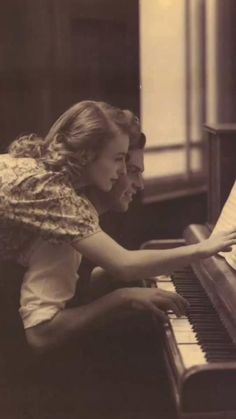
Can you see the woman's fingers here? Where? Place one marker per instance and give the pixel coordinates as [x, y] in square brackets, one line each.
[158, 301]
[158, 313]
[181, 301]
[176, 309]
[177, 300]
[227, 249]
[171, 301]
[232, 234]
[229, 231]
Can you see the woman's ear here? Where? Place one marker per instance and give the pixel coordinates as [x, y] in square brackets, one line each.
[86, 156]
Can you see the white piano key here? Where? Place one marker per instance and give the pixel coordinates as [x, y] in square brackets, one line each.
[192, 355]
[166, 286]
[180, 324]
[186, 339]
[182, 329]
[164, 278]
[161, 278]
[183, 336]
[173, 316]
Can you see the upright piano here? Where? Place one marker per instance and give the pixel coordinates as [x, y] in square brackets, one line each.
[200, 348]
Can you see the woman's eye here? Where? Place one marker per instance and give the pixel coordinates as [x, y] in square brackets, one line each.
[132, 170]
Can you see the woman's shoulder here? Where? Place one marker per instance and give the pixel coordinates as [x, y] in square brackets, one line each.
[13, 170]
[28, 179]
[18, 166]
[26, 175]
[87, 204]
[7, 161]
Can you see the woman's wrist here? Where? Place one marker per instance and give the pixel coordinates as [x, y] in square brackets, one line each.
[200, 251]
[196, 251]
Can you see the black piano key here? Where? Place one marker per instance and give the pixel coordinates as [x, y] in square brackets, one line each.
[210, 332]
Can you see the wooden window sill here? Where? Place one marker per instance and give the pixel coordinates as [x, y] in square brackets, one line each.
[157, 189]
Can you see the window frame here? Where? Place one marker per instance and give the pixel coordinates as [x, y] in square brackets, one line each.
[161, 188]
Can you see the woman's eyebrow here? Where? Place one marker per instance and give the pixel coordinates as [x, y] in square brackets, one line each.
[133, 166]
[122, 153]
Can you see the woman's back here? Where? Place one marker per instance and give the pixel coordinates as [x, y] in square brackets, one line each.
[13, 173]
[35, 201]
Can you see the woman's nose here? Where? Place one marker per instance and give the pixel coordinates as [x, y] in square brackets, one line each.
[141, 182]
[122, 169]
[138, 181]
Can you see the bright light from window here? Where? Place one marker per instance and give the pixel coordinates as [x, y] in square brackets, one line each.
[163, 82]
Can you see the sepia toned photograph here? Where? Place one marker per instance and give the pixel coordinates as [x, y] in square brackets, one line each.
[118, 209]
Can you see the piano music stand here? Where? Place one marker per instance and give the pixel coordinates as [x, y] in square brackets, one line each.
[221, 161]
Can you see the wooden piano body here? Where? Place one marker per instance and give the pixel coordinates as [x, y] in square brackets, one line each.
[205, 388]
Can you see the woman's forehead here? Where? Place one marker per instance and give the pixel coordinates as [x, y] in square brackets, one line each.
[136, 159]
[119, 144]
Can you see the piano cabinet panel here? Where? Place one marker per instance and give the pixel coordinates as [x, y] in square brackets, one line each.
[208, 415]
[203, 391]
[209, 389]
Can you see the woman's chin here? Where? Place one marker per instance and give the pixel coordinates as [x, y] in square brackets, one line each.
[105, 188]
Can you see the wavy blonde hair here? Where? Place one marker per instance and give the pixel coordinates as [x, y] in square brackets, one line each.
[78, 136]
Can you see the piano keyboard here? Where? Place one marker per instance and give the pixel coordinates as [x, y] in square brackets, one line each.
[200, 335]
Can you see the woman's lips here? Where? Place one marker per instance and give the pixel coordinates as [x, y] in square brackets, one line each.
[128, 196]
[114, 180]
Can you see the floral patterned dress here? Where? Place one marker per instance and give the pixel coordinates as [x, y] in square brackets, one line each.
[36, 202]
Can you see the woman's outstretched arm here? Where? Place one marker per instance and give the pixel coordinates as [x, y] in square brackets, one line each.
[138, 264]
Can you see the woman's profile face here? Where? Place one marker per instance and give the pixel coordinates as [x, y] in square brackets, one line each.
[110, 164]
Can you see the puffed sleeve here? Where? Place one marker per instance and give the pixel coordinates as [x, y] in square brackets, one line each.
[46, 205]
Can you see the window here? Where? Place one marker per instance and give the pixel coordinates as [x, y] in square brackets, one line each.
[172, 96]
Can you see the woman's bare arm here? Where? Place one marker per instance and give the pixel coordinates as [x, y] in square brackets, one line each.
[74, 322]
[127, 265]
[132, 265]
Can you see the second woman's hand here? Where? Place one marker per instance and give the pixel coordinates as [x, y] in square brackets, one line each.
[218, 242]
[156, 301]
